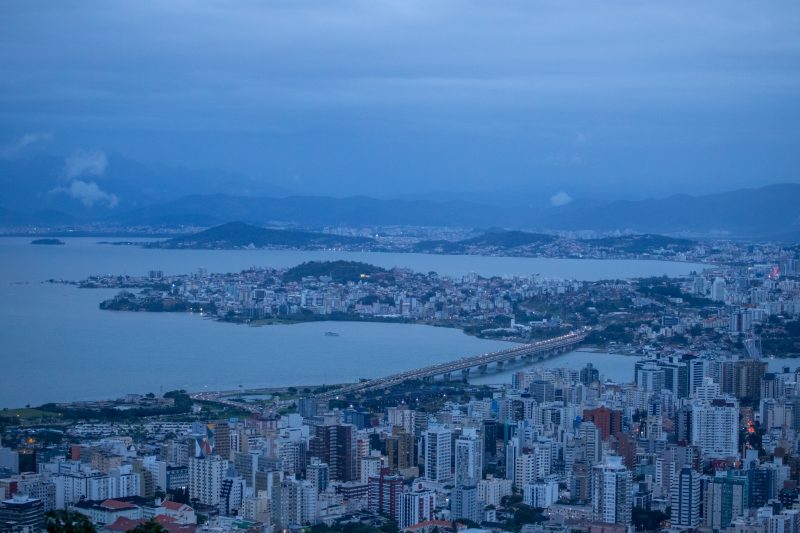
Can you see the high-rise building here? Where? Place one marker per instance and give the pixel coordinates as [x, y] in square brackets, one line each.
[416, 506]
[383, 494]
[760, 486]
[246, 463]
[318, 474]
[533, 465]
[489, 430]
[589, 374]
[590, 436]
[468, 458]
[232, 493]
[649, 376]
[464, 503]
[611, 492]
[492, 490]
[542, 391]
[21, 513]
[581, 481]
[718, 290]
[205, 478]
[334, 444]
[726, 499]
[715, 427]
[438, 442]
[541, 494]
[686, 498]
[400, 449]
[370, 467]
[222, 440]
[747, 377]
[608, 421]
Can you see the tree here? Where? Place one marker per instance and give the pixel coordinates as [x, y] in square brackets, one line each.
[645, 520]
[151, 526]
[67, 522]
[390, 527]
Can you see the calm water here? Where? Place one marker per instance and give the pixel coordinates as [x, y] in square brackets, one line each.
[56, 345]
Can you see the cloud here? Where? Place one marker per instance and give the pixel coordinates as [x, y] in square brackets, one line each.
[83, 163]
[560, 198]
[15, 147]
[89, 193]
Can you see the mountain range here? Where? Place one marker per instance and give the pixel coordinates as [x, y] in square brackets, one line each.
[112, 190]
[768, 212]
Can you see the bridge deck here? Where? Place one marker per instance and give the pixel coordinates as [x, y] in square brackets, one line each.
[465, 363]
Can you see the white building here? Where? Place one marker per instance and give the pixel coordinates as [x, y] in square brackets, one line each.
[541, 494]
[686, 498]
[715, 427]
[416, 506]
[468, 457]
[437, 454]
[611, 492]
[492, 490]
[205, 478]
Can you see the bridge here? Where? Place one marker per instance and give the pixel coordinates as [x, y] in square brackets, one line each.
[536, 351]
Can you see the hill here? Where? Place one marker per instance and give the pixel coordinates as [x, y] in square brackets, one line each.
[497, 240]
[240, 235]
[642, 244]
[339, 271]
[313, 211]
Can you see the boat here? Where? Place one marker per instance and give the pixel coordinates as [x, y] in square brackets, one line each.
[331, 334]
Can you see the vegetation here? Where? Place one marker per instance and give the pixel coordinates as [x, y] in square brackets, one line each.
[663, 288]
[644, 520]
[357, 527]
[151, 526]
[182, 405]
[338, 271]
[643, 244]
[48, 241]
[498, 240]
[241, 235]
[509, 239]
[127, 301]
[781, 339]
[619, 333]
[67, 522]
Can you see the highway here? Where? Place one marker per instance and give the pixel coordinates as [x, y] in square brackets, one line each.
[540, 349]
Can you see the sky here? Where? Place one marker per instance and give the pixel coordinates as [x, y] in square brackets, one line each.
[429, 98]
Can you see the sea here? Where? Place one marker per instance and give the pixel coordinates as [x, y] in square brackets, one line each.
[56, 345]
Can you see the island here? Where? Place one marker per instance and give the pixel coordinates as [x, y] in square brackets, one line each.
[491, 242]
[238, 235]
[48, 241]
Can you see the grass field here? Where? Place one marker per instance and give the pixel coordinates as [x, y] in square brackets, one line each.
[27, 413]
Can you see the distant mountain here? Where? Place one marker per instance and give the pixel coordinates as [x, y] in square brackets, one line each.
[317, 211]
[47, 217]
[764, 213]
[110, 184]
[37, 192]
[240, 235]
[752, 213]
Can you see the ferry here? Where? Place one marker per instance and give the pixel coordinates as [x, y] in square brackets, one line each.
[331, 334]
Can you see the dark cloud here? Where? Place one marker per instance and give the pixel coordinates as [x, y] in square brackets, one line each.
[394, 96]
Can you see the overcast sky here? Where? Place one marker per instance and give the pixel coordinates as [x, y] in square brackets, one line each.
[623, 98]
